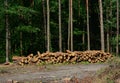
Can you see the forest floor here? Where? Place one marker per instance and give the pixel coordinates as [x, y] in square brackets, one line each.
[61, 73]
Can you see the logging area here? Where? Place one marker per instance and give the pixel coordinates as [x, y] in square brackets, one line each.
[60, 57]
[59, 67]
[59, 41]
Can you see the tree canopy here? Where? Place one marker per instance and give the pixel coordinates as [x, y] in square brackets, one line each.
[28, 25]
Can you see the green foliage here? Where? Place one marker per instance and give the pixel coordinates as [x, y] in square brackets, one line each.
[78, 32]
[28, 29]
[113, 40]
[21, 11]
[2, 59]
[110, 18]
[29, 20]
[54, 6]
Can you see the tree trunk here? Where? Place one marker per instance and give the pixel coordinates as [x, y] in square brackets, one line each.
[83, 39]
[107, 31]
[9, 36]
[31, 3]
[21, 45]
[7, 40]
[108, 18]
[69, 34]
[48, 26]
[60, 33]
[117, 36]
[44, 18]
[7, 32]
[88, 31]
[108, 43]
[71, 25]
[101, 26]
[83, 34]
[69, 29]
[110, 30]
[79, 11]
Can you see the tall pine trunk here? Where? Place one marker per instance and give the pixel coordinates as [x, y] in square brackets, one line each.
[109, 17]
[110, 30]
[21, 40]
[7, 32]
[60, 33]
[44, 20]
[79, 11]
[107, 31]
[21, 44]
[7, 39]
[71, 26]
[101, 26]
[48, 26]
[117, 34]
[108, 42]
[88, 31]
[69, 29]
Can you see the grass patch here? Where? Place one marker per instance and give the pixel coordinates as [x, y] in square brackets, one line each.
[85, 62]
[3, 71]
[113, 60]
[110, 74]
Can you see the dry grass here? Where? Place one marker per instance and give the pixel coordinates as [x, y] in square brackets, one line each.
[110, 74]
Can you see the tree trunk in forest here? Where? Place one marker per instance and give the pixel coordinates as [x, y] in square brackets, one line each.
[107, 31]
[79, 11]
[110, 30]
[21, 45]
[101, 26]
[83, 35]
[108, 43]
[83, 39]
[31, 3]
[48, 26]
[60, 33]
[69, 29]
[117, 34]
[44, 18]
[9, 36]
[7, 39]
[71, 25]
[88, 31]
[7, 33]
[68, 34]
[109, 17]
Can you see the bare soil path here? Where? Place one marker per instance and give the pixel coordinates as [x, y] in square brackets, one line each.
[45, 74]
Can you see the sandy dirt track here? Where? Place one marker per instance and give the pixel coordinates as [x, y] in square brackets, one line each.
[45, 74]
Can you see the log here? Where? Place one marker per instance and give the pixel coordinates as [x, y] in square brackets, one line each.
[60, 57]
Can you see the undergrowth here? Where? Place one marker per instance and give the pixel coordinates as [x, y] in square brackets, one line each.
[111, 73]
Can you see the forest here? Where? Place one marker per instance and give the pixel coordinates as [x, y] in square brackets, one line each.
[28, 26]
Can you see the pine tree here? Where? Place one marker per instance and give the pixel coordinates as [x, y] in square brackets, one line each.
[101, 26]
[117, 32]
[7, 32]
[60, 33]
[48, 26]
[88, 31]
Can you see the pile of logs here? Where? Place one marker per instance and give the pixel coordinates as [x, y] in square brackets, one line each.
[60, 57]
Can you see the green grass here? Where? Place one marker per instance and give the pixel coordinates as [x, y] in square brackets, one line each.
[3, 70]
[110, 74]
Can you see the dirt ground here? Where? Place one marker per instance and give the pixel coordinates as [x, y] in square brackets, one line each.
[58, 73]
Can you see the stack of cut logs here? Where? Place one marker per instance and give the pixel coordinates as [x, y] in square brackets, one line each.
[60, 57]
